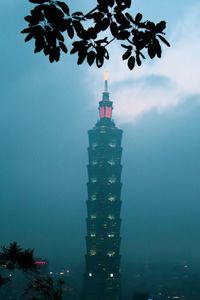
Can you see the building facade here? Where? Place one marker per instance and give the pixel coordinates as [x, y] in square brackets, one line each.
[102, 273]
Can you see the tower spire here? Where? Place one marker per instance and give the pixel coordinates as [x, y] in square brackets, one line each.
[106, 77]
[105, 105]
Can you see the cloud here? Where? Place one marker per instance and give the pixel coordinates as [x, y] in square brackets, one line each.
[160, 84]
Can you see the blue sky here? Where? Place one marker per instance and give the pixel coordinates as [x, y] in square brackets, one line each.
[45, 112]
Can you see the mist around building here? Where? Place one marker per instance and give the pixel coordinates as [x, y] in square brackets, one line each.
[104, 273]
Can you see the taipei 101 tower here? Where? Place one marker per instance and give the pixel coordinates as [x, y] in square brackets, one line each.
[102, 272]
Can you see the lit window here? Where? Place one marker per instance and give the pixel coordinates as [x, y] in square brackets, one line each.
[113, 145]
[111, 217]
[93, 180]
[112, 179]
[111, 274]
[93, 216]
[111, 198]
[111, 253]
[90, 274]
[94, 197]
[92, 234]
[93, 252]
[111, 235]
[94, 145]
[111, 162]
[93, 163]
[105, 112]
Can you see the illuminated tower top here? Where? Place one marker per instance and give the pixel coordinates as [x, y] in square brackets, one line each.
[105, 105]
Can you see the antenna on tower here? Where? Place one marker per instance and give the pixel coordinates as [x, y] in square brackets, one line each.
[106, 77]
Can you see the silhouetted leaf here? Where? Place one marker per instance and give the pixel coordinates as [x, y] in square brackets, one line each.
[57, 53]
[111, 3]
[102, 6]
[59, 36]
[52, 13]
[81, 56]
[78, 27]
[38, 1]
[29, 37]
[104, 24]
[37, 13]
[123, 35]
[99, 61]
[70, 30]
[91, 57]
[114, 29]
[127, 3]
[63, 47]
[127, 46]
[138, 18]
[138, 60]
[120, 18]
[131, 62]
[96, 16]
[106, 54]
[26, 30]
[39, 44]
[76, 46]
[151, 51]
[150, 25]
[129, 17]
[160, 26]
[92, 32]
[141, 54]
[164, 40]
[28, 18]
[77, 13]
[157, 48]
[51, 38]
[51, 57]
[63, 6]
[46, 50]
[126, 54]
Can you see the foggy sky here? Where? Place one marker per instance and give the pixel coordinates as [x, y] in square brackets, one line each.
[45, 112]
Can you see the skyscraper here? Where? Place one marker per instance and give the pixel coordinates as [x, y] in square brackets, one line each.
[102, 274]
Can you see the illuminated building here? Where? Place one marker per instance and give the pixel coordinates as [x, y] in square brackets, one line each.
[102, 274]
[42, 266]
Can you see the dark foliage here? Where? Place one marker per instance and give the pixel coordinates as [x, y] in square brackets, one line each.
[14, 257]
[39, 287]
[45, 288]
[51, 24]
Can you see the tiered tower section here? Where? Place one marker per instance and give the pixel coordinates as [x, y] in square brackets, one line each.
[102, 276]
